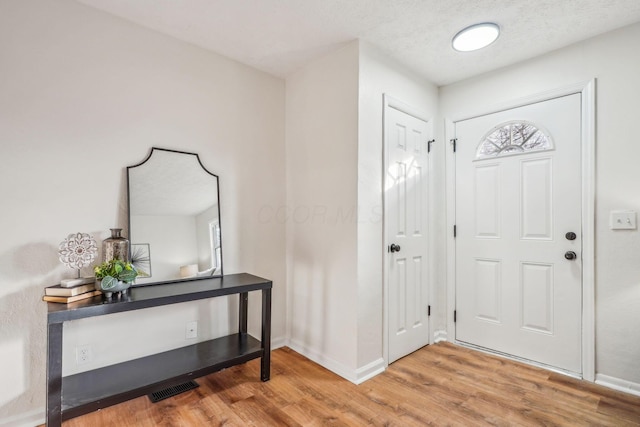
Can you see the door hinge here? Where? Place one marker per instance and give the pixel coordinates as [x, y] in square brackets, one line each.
[431, 141]
[455, 231]
[455, 317]
[428, 310]
[453, 142]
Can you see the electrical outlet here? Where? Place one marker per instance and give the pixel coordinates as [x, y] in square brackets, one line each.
[192, 330]
[83, 354]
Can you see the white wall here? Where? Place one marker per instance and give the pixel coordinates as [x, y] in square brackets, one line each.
[378, 76]
[83, 95]
[614, 61]
[334, 204]
[322, 173]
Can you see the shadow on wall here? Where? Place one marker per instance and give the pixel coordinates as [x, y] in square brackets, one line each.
[313, 309]
[29, 261]
[23, 334]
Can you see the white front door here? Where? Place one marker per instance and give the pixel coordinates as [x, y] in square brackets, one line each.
[518, 227]
[406, 223]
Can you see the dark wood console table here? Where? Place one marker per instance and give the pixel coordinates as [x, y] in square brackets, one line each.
[74, 395]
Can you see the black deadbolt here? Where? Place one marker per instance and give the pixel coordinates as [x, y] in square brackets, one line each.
[570, 235]
[570, 255]
[394, 248]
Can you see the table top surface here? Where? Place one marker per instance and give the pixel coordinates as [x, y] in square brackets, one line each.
[146, 296]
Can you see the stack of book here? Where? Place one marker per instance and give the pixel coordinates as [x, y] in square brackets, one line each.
[64, 295]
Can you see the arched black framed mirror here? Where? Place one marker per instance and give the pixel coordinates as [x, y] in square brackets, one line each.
[174, 218]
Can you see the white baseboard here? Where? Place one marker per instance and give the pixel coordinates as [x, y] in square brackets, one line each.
[332, 365]
[618, 384]
[28, 419]
[369, 371]
[278, 342]
[439, 336]
[356, 376]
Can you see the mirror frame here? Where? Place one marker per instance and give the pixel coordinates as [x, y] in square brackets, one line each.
[159, 282]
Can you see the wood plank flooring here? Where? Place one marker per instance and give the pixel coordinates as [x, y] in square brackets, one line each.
[441, 385]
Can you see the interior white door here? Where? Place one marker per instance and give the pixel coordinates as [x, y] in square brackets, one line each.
[516, 292]
[406, 223]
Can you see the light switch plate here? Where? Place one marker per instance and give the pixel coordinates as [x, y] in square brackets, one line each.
[623, 220]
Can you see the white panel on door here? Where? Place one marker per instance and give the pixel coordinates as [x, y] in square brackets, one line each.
[416, 293]
[401, 136]
[488, 289]
[537, 296]
[418, 142]
[401, 189]
[536, 207]
[487, 200]
[401, 302]
[417, 191]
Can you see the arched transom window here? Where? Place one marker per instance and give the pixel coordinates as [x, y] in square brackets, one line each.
[513, 138]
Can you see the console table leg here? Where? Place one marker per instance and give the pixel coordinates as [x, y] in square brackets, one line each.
[265, 367]
[244, 303]
[54, 375]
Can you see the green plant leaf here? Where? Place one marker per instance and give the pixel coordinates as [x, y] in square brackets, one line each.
[128, 276]
[108, 282]
[99, 272]
[118, 267]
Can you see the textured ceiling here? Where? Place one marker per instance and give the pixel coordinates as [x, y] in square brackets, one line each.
[279, 36]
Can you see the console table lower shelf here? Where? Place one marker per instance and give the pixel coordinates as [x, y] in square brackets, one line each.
[89, 391]
[75, 395]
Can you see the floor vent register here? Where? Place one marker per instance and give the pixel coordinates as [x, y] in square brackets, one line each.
[157, 396]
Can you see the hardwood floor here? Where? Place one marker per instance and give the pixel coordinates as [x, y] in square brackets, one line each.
[440, 385]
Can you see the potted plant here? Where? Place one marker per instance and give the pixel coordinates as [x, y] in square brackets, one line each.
[114, 276]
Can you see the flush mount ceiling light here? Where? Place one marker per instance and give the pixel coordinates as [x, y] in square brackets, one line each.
[476, 37]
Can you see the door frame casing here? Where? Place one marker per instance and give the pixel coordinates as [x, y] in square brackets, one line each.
[391, 102]
[587, 90]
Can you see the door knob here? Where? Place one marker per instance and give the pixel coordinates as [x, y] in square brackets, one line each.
[570, 255]
[570, 235]
[394, 248]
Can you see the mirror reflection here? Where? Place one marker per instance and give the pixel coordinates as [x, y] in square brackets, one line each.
[174, 218]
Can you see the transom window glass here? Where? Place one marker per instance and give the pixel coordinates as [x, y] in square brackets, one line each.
[513, 138]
